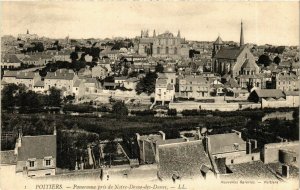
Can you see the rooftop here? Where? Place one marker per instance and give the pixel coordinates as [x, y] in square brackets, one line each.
[228, 53]
[8, 157]
[269, 93]
[251, 170]
[220, 142]
[184, 159]
[37, 147]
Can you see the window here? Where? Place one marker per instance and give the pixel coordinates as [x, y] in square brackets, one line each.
[158, 50]
[31, 164]
[167, 50]
[294, 159]
[175, 50]
[252, 158]
[232, 161]
[48, 162]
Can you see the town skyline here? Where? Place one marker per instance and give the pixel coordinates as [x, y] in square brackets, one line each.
[203, 25]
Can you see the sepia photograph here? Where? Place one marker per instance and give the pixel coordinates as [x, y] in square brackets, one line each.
[149, 95]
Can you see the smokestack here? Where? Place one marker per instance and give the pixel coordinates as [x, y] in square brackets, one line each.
[207, 144]
[248, 147]
[20, 139]
[81, 164]
[76, 165]
[163, 135]
[255, 143]
[285, 171]
[54, 129]
[198, 133]
[90, 155]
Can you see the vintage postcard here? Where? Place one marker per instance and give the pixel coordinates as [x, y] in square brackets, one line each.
[149, 95]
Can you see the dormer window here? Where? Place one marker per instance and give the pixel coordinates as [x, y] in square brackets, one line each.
[48, 161]
[31, 163]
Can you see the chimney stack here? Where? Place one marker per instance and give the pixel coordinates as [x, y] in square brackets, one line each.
[198, 133]
[163, 135]
[138, 136]
[54, 129]
[249, 147]
[285, 171]
[20, 139]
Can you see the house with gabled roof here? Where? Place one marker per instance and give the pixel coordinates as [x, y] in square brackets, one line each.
[22, 77]
[287, 81]
[194, 86]
[99, 71]
[62, 79]
[10, 61]
[36, 155]
[32, 156]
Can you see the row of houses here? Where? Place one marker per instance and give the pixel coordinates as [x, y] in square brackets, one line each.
[223, 156]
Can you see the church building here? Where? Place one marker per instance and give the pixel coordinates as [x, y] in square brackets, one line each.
[233, 61]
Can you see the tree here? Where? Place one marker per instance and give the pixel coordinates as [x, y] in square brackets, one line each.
[147, 84]
[74, 56]
[277, 60]
[172, 112]
[54, 98]
[264, 59]
[7, 96]
[159, 68]
[119, 110]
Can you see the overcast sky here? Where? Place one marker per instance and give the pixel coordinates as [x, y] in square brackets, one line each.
[264, 22]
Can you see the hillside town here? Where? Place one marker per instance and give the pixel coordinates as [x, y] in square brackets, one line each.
[158, 107]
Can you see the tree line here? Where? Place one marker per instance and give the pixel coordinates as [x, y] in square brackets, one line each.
[18, 97]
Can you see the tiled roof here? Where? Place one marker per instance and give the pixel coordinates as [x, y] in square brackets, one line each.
[170, 87]
[286, 76]
[61, 74]
[218, 40]
[269, 93]
[10, 74]
[133, 79]
[292, 93]
[195, 79]
[26, 75]
[8, 157]
[231, 83]
[121, 78]
[220, 142]
[252, 170]
[10, 58]
[161, 81]
[183, 159]
[37, 147]
[39, 83]
[277, 167]
[248, 64]
[228, 53]
[77, 83]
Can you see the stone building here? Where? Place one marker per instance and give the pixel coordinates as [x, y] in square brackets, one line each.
[163, 45]
[193, 86]
[287, 81]
[233, 61]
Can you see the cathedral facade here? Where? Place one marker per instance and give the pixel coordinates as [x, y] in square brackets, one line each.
[164, 45]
